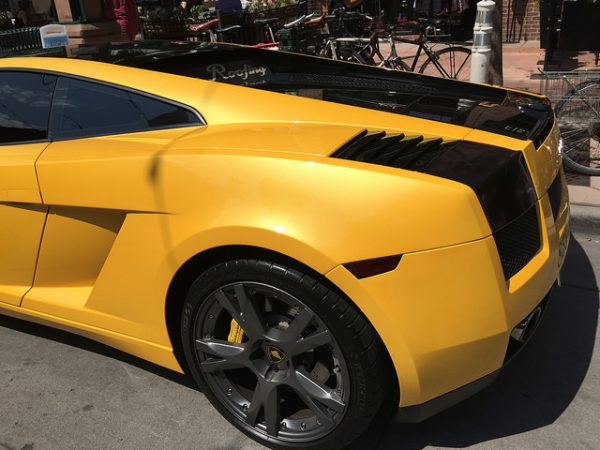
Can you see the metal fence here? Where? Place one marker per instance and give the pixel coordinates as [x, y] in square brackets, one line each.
[559, 85]
[20, 41]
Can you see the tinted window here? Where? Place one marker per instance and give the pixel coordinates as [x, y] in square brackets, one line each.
[83, 108]
[25, 100]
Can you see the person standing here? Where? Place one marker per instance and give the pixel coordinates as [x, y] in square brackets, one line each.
[23, 14]
[228, 6]
[125, 13]
[183, 9]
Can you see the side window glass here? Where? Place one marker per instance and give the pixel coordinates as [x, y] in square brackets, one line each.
[83, 108]
[25, 100]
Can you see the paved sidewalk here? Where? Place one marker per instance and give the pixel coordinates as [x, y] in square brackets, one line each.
[59, 391]
[584, 190]
[523, 63]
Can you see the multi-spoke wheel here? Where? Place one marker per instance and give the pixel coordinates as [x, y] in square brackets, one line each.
[284, 358]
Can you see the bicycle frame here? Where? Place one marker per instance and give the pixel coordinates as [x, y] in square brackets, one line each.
[423, 47]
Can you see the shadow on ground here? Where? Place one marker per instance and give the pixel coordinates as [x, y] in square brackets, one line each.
[93, 346]
[532, 391]
[565, 60]
[577, 179]
[536, 387]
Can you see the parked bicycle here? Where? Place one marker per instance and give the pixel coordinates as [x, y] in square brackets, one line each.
[450, 61]
[340, 41]
[265, 27]
[443, 58]
[578, 117]
[212, 32]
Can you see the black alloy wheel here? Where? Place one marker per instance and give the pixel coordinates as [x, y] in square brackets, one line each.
[272, 363]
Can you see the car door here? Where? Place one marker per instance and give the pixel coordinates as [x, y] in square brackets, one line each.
[25, 101]
[98, 178]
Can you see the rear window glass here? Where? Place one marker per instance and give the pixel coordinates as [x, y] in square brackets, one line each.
[83, 108]
[25, 100]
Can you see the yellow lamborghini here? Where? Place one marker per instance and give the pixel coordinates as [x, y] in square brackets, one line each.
[319, 244]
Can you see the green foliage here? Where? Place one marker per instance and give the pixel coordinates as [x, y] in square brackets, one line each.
[265, 5]
[199, 12]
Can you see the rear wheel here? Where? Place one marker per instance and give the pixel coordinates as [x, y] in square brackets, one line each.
[285, 359]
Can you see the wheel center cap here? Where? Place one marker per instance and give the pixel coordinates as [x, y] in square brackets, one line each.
[274, 354]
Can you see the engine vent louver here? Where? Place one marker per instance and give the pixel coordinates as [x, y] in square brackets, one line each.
[393, 150]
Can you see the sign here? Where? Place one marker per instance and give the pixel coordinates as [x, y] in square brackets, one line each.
[54, 35]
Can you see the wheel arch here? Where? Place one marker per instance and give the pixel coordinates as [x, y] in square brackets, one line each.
[194, 266]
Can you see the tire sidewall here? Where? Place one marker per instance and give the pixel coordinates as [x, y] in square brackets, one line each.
[324, 303]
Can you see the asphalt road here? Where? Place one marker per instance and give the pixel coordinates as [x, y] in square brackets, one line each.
[60, 391]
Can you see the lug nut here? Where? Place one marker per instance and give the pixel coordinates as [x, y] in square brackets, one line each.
[303, 426]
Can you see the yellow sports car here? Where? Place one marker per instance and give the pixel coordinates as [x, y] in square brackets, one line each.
[320, 244]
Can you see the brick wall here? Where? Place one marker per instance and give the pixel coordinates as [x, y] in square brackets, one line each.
[520, 20]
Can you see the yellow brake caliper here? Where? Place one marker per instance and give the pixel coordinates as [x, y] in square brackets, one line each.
[236, 334]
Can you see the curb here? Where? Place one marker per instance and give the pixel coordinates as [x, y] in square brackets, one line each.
[585, 218]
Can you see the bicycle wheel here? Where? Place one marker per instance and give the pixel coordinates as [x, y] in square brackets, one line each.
[450, 62]
[395, 64]
[578, 117]
[349, 55]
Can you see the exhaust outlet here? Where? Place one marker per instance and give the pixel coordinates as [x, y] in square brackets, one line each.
[525, 329]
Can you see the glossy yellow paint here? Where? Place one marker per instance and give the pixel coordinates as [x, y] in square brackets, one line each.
[20, 235]
[468, 310]
[22, 218]
[106, 172]
[18, 182]
[142, 204]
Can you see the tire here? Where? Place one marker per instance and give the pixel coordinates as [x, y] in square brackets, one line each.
[333, 387]
[350, 55]
[580, 128]
[456, 62]
[396, 64]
